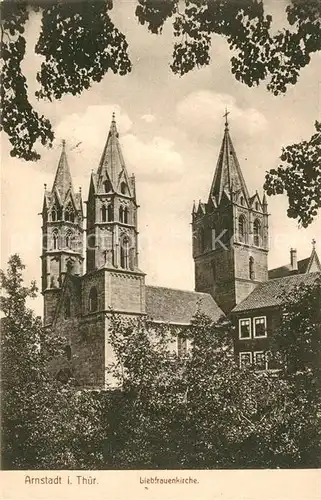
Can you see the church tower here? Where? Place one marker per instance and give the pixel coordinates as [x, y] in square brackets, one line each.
[112, 211]
[230, 234]
[112, 236]
[62, 236]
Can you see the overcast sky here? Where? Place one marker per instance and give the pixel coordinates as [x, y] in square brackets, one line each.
[170, 129]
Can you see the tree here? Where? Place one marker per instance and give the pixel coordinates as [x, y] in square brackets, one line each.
[297, 349]
[201, 410]
[44, 424]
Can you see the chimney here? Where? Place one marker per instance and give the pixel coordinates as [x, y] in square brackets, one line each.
[294, 259]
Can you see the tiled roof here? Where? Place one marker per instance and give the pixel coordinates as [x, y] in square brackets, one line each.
[269, 293]
[178, 306]
[281, 271]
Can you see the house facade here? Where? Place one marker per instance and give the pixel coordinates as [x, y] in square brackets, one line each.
[90, 265]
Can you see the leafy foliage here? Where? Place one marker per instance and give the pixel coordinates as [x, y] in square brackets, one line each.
[300, 177]
[44, 424]
[201, 410]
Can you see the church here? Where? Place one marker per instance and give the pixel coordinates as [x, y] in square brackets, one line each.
[230, 251]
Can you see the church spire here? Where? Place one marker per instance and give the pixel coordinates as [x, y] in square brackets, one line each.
[62, 182]
[228, 176]
[112, 165]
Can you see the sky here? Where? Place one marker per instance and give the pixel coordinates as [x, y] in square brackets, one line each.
[171, 130]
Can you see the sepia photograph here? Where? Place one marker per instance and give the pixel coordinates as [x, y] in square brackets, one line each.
[160, 240]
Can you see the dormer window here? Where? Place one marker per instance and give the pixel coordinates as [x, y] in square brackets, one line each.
[53, 215]
[242, 200]
[257, 206]
[123, 188]
[107, 186]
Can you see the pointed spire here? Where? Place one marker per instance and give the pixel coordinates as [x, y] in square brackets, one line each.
[228, 176]
[112, 165]
[62, 180]
[264, 203]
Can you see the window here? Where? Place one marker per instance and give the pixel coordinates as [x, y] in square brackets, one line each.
[93, 300]
[242, 228]
[181, 346]
[124, 252]
[103, 213]
[123, 188]
[260, 360]
[67, 308]
[126, 215]
[260, 327]
[202, 239]
[242, 200]
[110, 213]
[107, 186]
[121, 214]
[256, 205]
[53, 215]
[55, 239]
[257, 233]
[68, 352]
[69, 214]
[69, 238]
[245, 359]
[59, 214]
[245, 328]
[251, 268]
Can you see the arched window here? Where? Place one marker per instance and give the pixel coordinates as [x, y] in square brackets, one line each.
[242, 200]
[257, 233]
[126, 215]
[257, 206]
[59, 214]
[53, 215]
[242, 228]
[103, 213]
[55, 240]
[69, 238]
[124, 252]
[121, 214]
[251, 268]
[93, 299]
[67, 307]
[123, 188]
[110, 213]
[69, 213]
[107, 186]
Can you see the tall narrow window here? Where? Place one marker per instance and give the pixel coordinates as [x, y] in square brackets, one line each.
[257, 233]
[53, 215]
[69, 237]
[245, 328]
[103, 213]
[110, 213]
[241, 228]
[126, 215]
[121, 214]
[123, 188]
[55, 239]
[59, 214]
[93, 299]
[124, 252]
[251, 268]
[245, 359]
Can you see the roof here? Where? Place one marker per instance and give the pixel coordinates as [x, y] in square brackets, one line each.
[304, 266]
[112, 165]
[269, 293]
[170, 305]
[228, 176]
